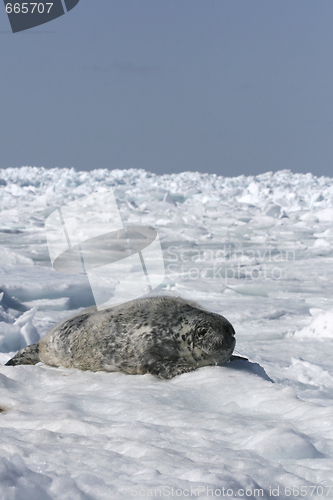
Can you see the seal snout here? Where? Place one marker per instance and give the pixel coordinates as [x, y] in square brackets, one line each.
[229, 343]
[218, 344]
[217, 339]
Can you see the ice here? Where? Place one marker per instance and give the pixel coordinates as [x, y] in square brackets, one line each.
[17, 335]
[28, 330]
[282, 443]
[320, 327]
[258, 250]
[10, 258]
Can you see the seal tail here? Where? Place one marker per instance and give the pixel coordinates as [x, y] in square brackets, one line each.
[27, 356]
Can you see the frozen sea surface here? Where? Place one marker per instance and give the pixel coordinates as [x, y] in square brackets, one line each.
[258, 250]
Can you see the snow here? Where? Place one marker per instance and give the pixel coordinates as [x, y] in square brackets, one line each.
[258, 250]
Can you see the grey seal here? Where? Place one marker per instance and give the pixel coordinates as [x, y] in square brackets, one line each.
[164, 336]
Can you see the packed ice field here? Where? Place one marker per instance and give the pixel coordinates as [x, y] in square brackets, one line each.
[259, 251]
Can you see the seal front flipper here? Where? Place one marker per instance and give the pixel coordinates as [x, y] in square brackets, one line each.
[165, 369]
[27, 356]
[179, 369]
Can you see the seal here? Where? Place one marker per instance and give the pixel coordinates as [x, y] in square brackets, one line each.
[164, 336]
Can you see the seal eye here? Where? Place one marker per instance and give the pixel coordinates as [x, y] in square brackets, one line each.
[202, 332]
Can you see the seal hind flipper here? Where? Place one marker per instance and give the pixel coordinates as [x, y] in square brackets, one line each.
[27, 356]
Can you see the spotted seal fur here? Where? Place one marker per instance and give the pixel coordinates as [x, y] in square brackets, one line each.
[164, 336]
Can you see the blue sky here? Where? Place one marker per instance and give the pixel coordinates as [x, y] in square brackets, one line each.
[221, 86]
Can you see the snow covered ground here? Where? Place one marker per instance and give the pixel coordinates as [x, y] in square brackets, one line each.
[258, 250]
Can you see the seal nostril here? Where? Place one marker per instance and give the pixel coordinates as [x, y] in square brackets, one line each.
[229, 330]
